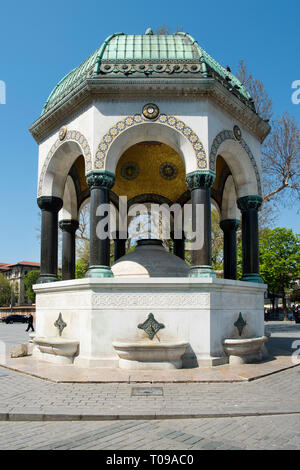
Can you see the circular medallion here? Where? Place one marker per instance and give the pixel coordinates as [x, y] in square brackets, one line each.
[150, 111]
[168, 171]
[237, 132]
[62, 133]
[130, 170]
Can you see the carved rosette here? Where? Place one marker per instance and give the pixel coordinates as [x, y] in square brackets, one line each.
[249, 202]
[102, 179]
[200, 179]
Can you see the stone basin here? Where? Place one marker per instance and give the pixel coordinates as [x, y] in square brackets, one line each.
[244, 350]
[58, 350]
[144, 355]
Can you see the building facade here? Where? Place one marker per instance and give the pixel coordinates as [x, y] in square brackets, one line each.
[15, 274]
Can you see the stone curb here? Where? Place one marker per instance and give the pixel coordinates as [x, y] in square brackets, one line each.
[28, 416]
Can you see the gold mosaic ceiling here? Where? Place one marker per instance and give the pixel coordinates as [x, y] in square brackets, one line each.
[142, 170]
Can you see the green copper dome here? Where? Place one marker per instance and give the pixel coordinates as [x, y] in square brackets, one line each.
[147, 56]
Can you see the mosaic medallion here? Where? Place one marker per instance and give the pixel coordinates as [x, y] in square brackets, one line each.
[237, 133]
[168, 171]
[151, 326]
[130, 170]
[150, 111]
[62, 133]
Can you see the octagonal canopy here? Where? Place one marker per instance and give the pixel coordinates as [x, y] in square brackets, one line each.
[148, 56]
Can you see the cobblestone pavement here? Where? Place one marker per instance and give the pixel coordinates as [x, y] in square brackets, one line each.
[263, 414]
[276, 432]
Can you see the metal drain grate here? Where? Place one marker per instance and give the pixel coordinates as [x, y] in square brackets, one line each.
[147, 392]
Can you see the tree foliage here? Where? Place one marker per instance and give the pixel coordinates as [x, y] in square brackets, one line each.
[29, 280]
[280, 151]
[279, 259]
[5, 291]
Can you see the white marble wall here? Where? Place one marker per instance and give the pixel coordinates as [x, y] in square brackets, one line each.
[199, 311]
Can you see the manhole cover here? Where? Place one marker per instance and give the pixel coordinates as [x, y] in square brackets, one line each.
[147, 391]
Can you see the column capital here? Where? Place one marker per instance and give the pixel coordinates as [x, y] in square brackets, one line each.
[100, 179]
[249, 202]
[200, 179]
[68, 225]
[50, 203]
[229, 224]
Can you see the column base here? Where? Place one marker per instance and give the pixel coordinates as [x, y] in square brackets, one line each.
[202, 271]
[252, 277]
[44, 278]
[99, 271]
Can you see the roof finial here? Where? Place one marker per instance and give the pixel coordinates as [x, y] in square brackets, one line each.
[149, 32]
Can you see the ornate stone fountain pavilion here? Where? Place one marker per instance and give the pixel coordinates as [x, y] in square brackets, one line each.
[155, 119]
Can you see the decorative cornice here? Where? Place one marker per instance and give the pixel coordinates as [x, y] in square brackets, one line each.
[132, 88]
[99, 178]
[50, 203]
[249, 202]
[200, 179]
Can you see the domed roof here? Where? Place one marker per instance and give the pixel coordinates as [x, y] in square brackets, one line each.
[150, 259]
[148, 56]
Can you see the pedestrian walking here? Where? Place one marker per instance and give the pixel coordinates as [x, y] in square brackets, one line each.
[30, 323]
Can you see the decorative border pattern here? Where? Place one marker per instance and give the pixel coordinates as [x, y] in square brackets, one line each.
[69, 137]
[165, 119]
[149, 67]
[150, 300]
[229, 135]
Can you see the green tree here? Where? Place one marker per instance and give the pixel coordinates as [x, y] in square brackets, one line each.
[279, 260]
[5, 291]
[29, 280]
[80, 269]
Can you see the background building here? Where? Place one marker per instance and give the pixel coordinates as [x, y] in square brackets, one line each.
[15, 274]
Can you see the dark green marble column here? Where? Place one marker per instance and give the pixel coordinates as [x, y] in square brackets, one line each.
[50, 206]
[249, 206]
[229, 227]
[119, 246]
[179, 246]
[100, 182]
[68, 228]
[200, 183]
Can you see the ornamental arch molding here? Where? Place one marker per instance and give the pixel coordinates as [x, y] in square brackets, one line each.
[165, 129]
[237, 147]
[69, 148]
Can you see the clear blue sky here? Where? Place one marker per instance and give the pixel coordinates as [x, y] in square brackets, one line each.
[42, 41]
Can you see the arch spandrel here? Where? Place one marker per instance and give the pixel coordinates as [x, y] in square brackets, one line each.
[240, 160]
[59, 160]
[166, 129]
